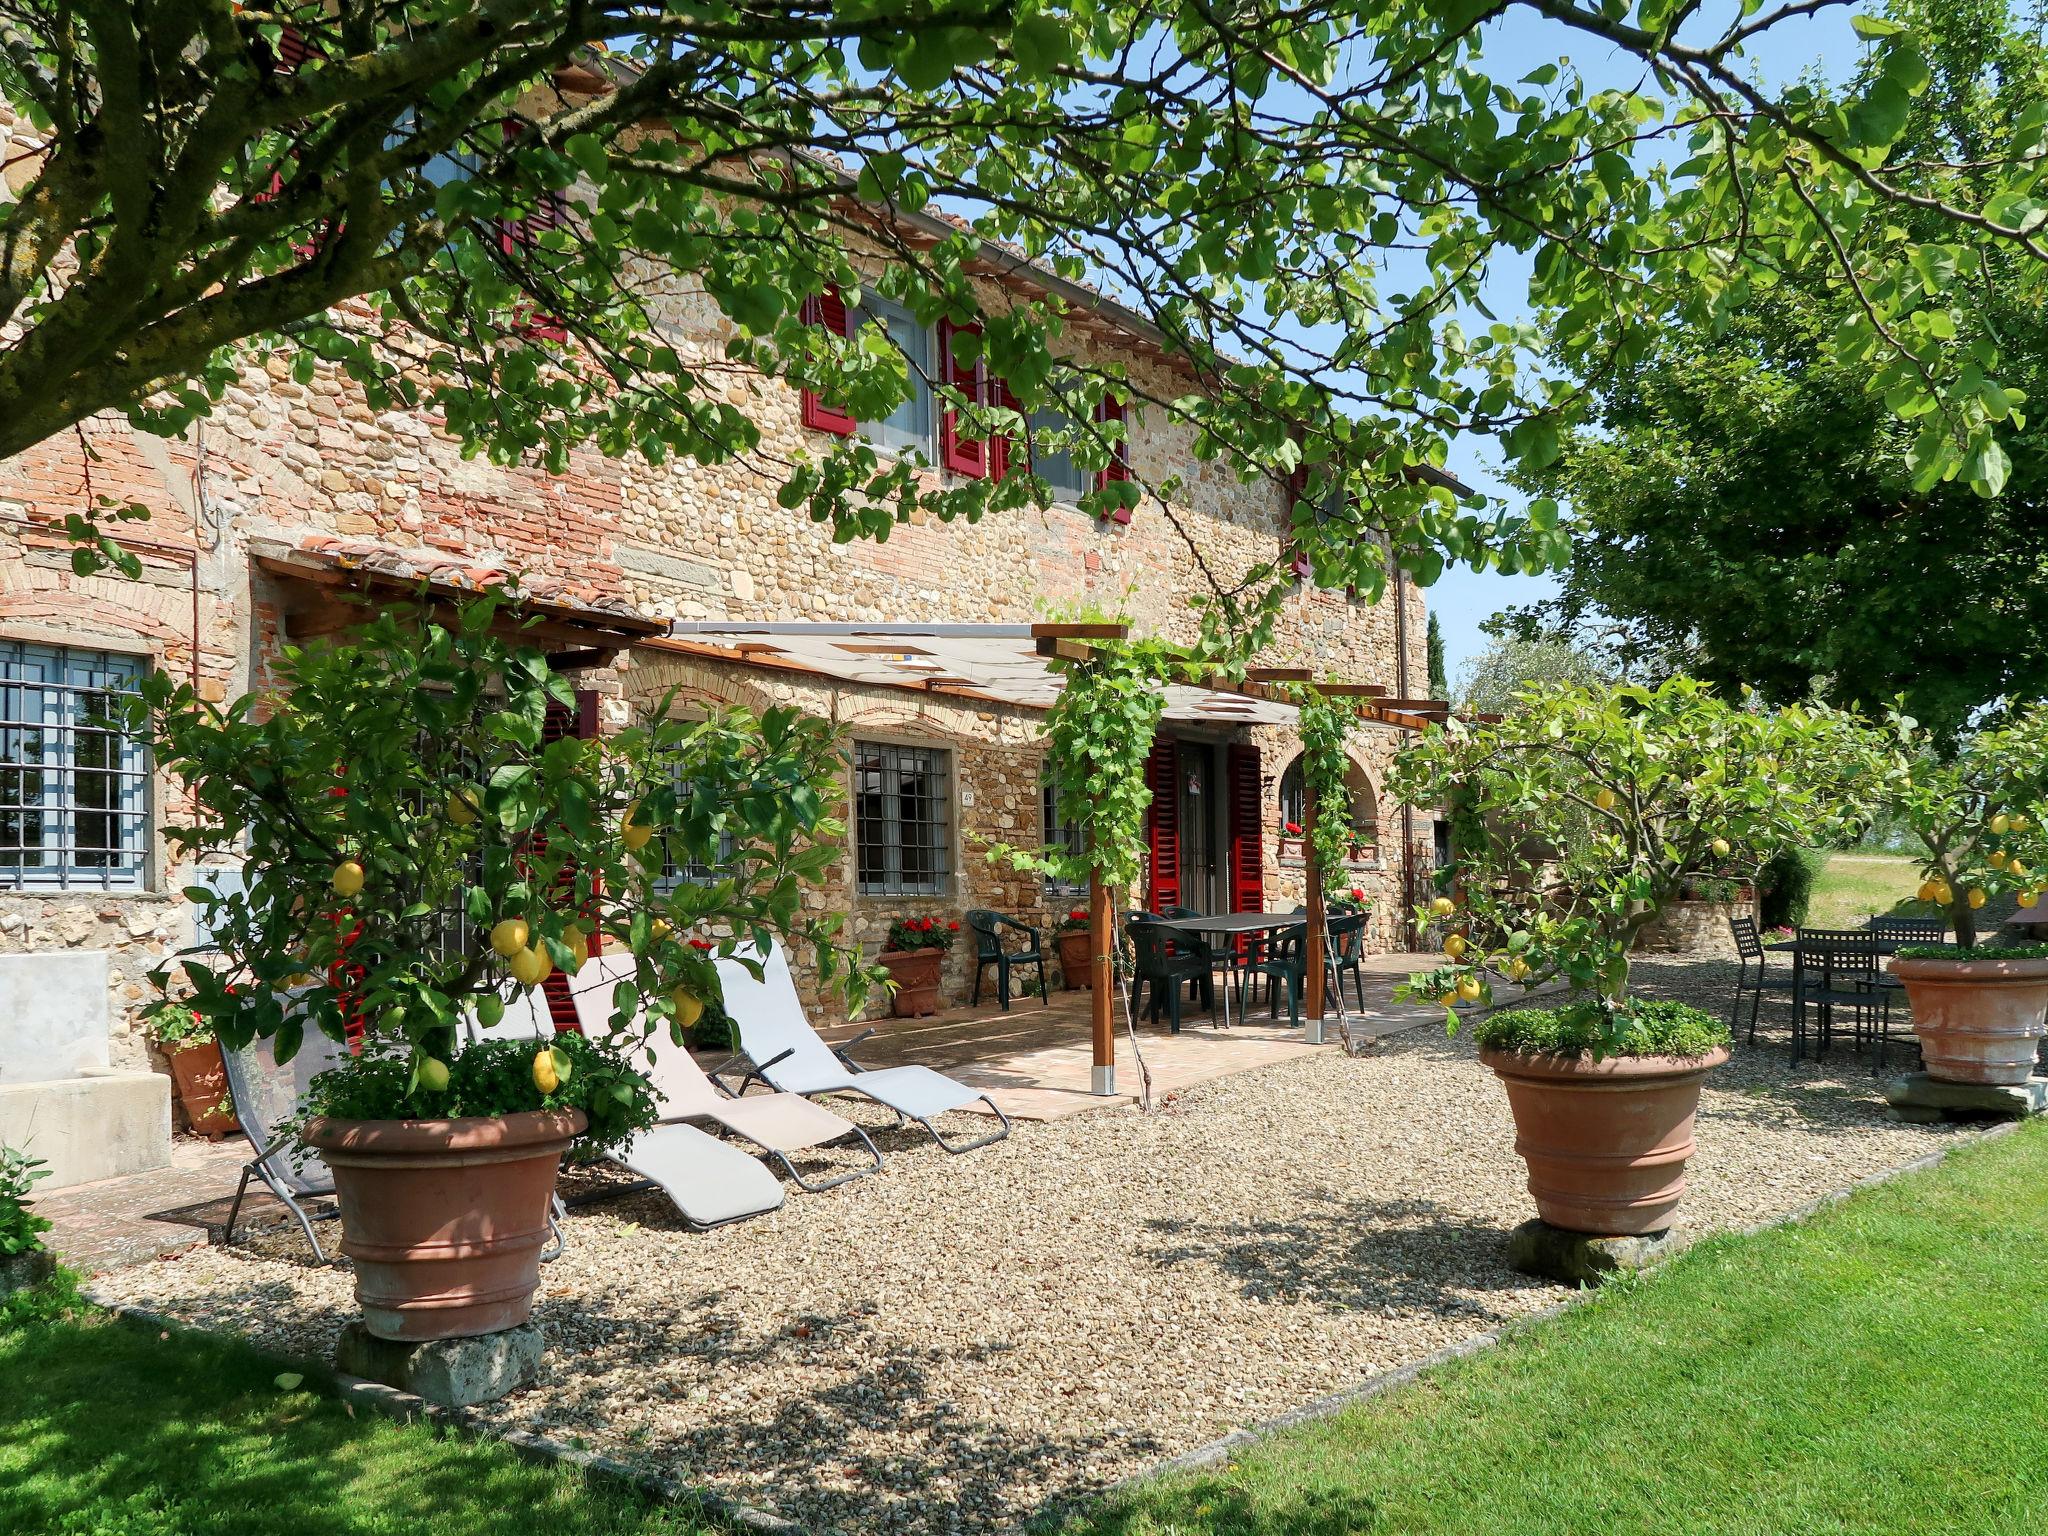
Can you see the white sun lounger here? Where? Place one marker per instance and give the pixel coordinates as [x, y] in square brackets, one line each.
[777, 1123]
[709, 1181]
[779, 1046]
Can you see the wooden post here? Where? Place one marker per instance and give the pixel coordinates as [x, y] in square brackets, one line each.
[1312, 940]
[1102, 977]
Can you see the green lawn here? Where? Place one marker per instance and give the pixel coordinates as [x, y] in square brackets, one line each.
[1876, 1370]
[1851, 886]
[106, 1430]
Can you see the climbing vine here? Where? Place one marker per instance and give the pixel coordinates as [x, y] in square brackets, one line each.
[1098, 735]
[1325, 725]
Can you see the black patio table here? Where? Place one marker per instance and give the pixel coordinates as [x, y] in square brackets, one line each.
[1230, 925]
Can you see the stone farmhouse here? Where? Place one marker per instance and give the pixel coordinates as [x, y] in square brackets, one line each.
[296, 497]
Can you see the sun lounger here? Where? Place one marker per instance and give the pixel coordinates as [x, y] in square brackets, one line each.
[709, 1181]
[267, 1094]
[780, 1048]
[777, 1123]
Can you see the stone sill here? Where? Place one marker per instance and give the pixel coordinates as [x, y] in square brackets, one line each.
[92, 893]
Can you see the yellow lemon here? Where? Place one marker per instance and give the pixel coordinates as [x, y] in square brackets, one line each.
[2029, 898]
[348, 878]
[2001, 823]
[634, 834]
[1977, 897]
[661, 929]
[1996, 861]
[1468, 988]
[433, 1075]
[509, 937]
[1720, 847]
[547, 961]
[579, 949]
[1443, 906]
[2016, 869]
[1449, 999]
[526, 968]
[2020, 823]
[689, 1006]
[1518, 968]
[1928, 890]
[545, 1077]
[1605, 799]
[1454, 946]
[462, 806]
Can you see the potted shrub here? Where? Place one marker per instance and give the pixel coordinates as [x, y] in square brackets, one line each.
[1981, 814]
[24, 1261]
[417, 842]
[1075, 941]
[1586, 810]
[914, 957]
[202, 1082]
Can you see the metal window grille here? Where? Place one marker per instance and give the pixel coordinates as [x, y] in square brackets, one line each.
[675, 872]
[903, 843]
[1061, 831]
[74, 790]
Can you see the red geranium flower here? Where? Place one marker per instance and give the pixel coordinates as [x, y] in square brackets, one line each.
[1357, 893]
[954, 926]
[1293, 829]
[701, 944]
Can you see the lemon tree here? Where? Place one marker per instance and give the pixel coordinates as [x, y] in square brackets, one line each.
[1980, 812]
[1582, 813]
[416, 844]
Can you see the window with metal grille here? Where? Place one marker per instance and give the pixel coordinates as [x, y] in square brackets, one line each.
[903, 842]
[74, 791]
[1062, 830]
[690, 871]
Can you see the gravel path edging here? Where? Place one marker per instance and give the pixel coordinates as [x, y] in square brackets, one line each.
[359, 1394]
[1229, 1447]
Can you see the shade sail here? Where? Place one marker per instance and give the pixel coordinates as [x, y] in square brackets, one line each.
[1003, 663]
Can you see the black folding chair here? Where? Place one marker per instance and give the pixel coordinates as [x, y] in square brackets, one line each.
[1749, 950]
[1836, 968]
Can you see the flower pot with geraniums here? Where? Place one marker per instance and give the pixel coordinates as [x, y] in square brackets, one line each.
[1980, 811]
[24, 1261]
[196, 1072]
[1585, 811]
[915, 957]
[417, 845]
[1075, 941]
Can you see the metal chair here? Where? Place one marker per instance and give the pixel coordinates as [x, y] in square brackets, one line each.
[1831, 968]
[989, 951]
[1167, 972]
[1195, 944]
[267, 1095]
[1749, 950]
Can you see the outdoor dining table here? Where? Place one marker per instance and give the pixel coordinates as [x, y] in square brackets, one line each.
[1231, 925]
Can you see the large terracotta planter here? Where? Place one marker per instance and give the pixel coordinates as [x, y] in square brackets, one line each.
[1077, 960]
[1606, 1141]
[1979, 1021]
[916, 974]
[202, 1084]
[445, 1219]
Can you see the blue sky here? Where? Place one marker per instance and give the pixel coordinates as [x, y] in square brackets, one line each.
[1463, 598]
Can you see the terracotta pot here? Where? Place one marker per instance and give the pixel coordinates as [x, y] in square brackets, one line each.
[445, 1219]
[1606, 1141]
[916, 973]
[202, 1084]
[1077, 960]
[1978, 1020]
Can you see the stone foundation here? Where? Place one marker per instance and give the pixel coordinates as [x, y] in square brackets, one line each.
[1923, 1099]
[451, 1373]
[1585, 1258]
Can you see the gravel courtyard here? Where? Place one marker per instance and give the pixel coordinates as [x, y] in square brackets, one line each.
[952, 1344]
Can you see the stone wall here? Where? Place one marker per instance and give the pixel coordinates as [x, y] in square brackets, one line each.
[1698, 928]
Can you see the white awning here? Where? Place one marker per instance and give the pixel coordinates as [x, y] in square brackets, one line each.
[1003, 663]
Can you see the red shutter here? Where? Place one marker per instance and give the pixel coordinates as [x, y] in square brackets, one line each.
[522, 234]
[1001, 447]
[1119, 464]
[828, 310]
[1162, 825]
[1247, 831]
[292, 50]
[581, 723]
[963, 455]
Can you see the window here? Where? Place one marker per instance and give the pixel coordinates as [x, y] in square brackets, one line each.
[903, 842]
[1361, 808]
[909, 426]
[74, 792]
[1062, 830]
[677, 870]
[1057, 470]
